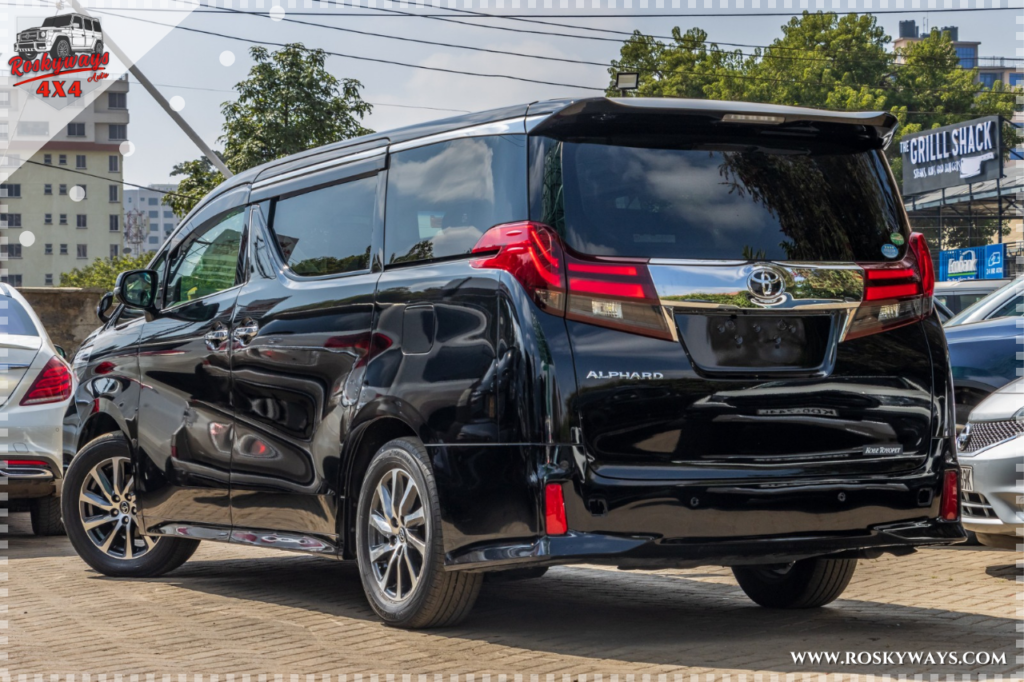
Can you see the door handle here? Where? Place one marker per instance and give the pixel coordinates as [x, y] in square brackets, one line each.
[247, 332]
[216, 337]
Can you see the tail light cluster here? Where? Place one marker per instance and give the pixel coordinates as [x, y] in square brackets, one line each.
[53, 384]
[617, 294]
[895, 294]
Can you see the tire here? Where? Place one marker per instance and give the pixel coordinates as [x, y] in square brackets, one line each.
[92, 491]
[98, 47]
[805, 584]
[27, 56]
[45, 514]
[61, 49]
[436, 598]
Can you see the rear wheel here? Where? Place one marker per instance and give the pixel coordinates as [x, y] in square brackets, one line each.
[61, 49]
[102, 519]
[45, 514]
[804, 584]
[98, 47]
[399, 545]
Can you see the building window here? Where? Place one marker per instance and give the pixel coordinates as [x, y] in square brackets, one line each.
[10, 220]
[10, 250]
[76, 130]
[154, 240]
[48, 219]
[115, 223]
[113, 163]
[9, 160]
[4, 131]
[10, 191]
[48, 279]
[168, 228]
[62, 159]
[968, 56]
[84, 192]
[118, 131]
[1016, 80]
[117, 100]
[63, 190]
[48, 159]
[152, 201]
[113, 250]
[63, 249]
[83, 250]
[48, 250]
[153, 215]
[48, 189]
[63, 218]
[988, 80]
[80, 161]
[153, 227]
[34, 128]
[80, 221]
[168, 214]
[5, 98]
[112, 193]
[13, 280]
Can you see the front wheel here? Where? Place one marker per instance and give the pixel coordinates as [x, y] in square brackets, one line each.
[27, 56]
[399, 545]
[102, 519]
[804, 584]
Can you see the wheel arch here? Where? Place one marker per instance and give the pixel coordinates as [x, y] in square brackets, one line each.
[363, 444]
[96, 425]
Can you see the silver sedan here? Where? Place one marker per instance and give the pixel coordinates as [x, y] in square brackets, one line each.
[991, 451]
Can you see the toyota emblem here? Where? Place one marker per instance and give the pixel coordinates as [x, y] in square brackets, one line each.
[766, 285]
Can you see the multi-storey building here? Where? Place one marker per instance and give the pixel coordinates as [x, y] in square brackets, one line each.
[151, 221]
[990, 69]
[67, 192]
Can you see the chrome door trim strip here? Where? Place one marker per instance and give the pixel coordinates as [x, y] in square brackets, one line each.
[510, 126]
[295, 542]
[323, 165]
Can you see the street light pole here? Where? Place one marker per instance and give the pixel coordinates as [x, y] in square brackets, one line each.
[151, 89]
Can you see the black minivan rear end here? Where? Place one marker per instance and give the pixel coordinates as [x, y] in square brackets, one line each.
[760, 377]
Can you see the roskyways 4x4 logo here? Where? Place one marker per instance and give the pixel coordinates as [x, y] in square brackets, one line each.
[62, 45]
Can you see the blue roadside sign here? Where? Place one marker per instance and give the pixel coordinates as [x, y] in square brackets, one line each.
[977, 262]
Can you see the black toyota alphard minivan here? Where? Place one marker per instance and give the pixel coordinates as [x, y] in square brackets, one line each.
[635, 332]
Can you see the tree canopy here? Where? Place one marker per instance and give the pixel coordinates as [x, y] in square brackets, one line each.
[288, 103]
[103, 272]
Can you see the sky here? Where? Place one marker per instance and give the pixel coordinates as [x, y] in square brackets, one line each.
[201, 69]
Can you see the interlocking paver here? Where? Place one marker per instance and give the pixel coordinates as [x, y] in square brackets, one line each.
[235, 610]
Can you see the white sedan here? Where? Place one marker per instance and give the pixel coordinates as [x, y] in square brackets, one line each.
[991, 450]
[35, 389]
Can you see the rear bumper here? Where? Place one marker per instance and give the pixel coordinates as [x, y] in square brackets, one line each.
[649, 553]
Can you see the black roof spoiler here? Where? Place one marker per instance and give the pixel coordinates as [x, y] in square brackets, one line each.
[562, 114]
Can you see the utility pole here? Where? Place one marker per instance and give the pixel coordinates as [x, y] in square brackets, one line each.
[151, 89]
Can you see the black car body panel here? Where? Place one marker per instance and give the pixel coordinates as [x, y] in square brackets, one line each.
[254, 403]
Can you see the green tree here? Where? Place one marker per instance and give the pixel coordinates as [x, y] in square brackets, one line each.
[288, 103]
[102, 272]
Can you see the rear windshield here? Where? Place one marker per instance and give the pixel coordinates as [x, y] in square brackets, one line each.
[14, 320]
[717, 201]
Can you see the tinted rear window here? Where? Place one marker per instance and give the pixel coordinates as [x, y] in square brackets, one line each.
[717, 201]
[14, 319]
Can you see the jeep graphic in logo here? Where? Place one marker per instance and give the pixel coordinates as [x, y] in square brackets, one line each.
[766, 285]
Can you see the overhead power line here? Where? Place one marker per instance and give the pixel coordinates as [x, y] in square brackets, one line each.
[101, 177]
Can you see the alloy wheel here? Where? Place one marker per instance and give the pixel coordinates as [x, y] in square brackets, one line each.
[63, 49]
[397, 535]
[108, 511]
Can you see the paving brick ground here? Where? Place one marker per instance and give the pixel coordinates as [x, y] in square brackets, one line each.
[234, 610]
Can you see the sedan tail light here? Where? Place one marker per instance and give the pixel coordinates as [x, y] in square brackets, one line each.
[618, 294]
[53, 384]
[895, 294]
[949, 507]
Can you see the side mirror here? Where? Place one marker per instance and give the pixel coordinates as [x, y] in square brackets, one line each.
[137, 289]
[61, 352]
[103, 306]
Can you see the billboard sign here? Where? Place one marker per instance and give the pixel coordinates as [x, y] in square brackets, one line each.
[953, 155]
[977, 262]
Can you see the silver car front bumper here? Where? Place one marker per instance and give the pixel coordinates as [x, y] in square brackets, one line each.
[994, 506]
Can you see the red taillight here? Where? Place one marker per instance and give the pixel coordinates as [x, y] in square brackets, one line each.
[895, 294]
[618, 294]
[949, 507]
[26, 462]
[51, 386]
[554, 510]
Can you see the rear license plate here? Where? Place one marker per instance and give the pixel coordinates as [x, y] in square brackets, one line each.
[967, 479]
[755, 341]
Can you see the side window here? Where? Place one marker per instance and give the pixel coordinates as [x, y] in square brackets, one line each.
[1012, 308]
[327, 231]
[207, 261]
[443, 197]
[78, 22]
